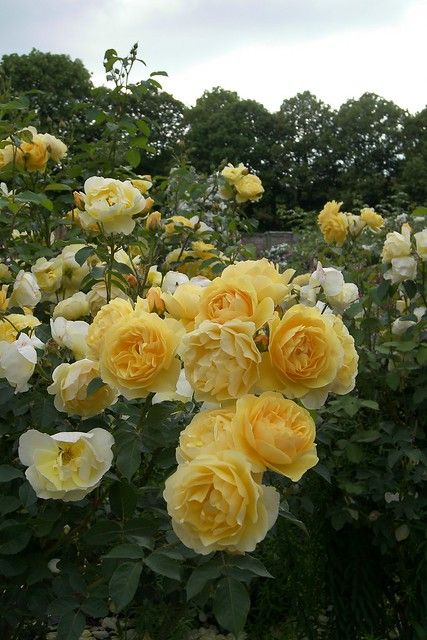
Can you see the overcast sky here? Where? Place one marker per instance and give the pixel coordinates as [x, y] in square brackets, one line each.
[267, 50]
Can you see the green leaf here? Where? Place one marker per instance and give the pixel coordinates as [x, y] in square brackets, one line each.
[419, 211]
[8, 473]
[94, 386]
[131, 551]
[83, 254]
[8, 504]
[201, 576]
[102, 533]
[353, 310]
[95, 608]
[354, 452]
[29, 197]
[14, 538]
[124, 583]
[231, 605]
[370, 435]
[122, 500]
[251, 564]
[370, 404]
[287, 515]
[323, 472]
[393, 379]
[71, 626]
[58, 186]
[163, 564]
[410, 288]
[128, 458]
[133, 157]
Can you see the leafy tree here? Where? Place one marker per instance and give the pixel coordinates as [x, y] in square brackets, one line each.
[414, 172]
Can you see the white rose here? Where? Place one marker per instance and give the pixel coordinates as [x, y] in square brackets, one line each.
[72, 308]
[348, 294]
[331, 280]
[48, 273]
[172, 280]
[397, 245]
[26, 291]
[57, 149]
[18, 360]
[65, 466]
[421, 240]
[71, 334]
[402, 269]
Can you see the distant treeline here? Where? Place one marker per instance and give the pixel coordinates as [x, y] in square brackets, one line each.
[306, 153]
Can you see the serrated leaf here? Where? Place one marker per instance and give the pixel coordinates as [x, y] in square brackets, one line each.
[133, 157]
[231, 605]
[124, 583]
[164, 565]
[57, 186]
[251, 564]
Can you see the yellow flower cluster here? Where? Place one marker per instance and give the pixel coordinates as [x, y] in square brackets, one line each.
[240, 184]
[336, 226]
[34, 154]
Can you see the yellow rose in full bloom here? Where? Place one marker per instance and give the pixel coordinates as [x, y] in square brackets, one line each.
[275, 433]
[221, 361]
[66, 466]
[397, 245]
[111, 204]
[225, 299]
[70, 384]
[307, 352]
[233, 174]
[372, 219]
[48, 273]
[138, 355]
[216, 505]
[33, 156]
[56, 148]
[208, 432]
[265, 277]
[184, 303]
[248, 188]
[72, 308]
[106, 318]
[333, 223]
[13, 323]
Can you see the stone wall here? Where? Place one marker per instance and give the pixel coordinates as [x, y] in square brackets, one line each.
[268, 239]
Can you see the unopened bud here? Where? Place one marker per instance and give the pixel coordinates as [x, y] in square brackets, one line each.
[153, 221]
[66, 529]
[155, 301]
[78, 200]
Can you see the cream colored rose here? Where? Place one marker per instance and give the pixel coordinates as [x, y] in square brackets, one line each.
[66, 466]
[248, 188]
[33, 156]
[26, 291]
[221, 361]
[331, 280]
[48, 274]
[111, 204]
[56, 148]
[216, 505]
[142, 183]
[402, 269]
[208, 432]
[5, 274]
[397, 245]
[306, 355]
[18, 360]
[373, 220]
[421, 240]
[106, 318]
[72, 308]
[4, 300]
[138, 355]
[275, 434]
[97, 297]
[225, 300]
[232, 174]
[71, 334]
[347, 296]
[355, 224]
[265, 277]
[13, 323]
[333, 223]
[72, 272]
[184, 303]
[172, 279]
[70, 386]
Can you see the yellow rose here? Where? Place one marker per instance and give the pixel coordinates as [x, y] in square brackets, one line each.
[355, 224]
[155, 303]
[111, 204]
[175, 224]
[208, 432]
[184, 303]
[138, 355]
[13, 323]
[66, 466]
[265, 277]
[4, 302]
[72, 308]
[216, 505]
[48, 274]
[397, 245]
[275, 434]
[346, 375]
[333, 223]
[70, 384]
[97, 297]
[154, 221]
[56, 148]
[143, 183]
[33, 156]
[106, 318]
[72, 272]
[221, 361]
[232, 174]
[6, 155]
[248, 188]
[372, 219]
[225, 300]
[421, 240]
[305, 355]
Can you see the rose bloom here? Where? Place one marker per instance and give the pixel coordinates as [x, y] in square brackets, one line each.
[221, 361]
[248, 188]
[307, 352]
[70, 383]
[65, 466]
[154, 221]
[48, 274]
[97, 297]
[348, 294]
[106, 318]
[265, 277]
[175, 224]
[184, 303]
[208, 432]
[275, 434]
[26, 291]
[216, 505]
[4, 301]
[404, 268]
[138, 355]
[421, 240]
[355, 224]
[33, 156]
[333, 223]
[232, 174]
[72, 308]
[18, 360]
[72, 272]
[71, 334]
[225, 300]
[112, 204]
[56, 148]
[13, 323]
[397, 245]
[372, 219]
[5, 273]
